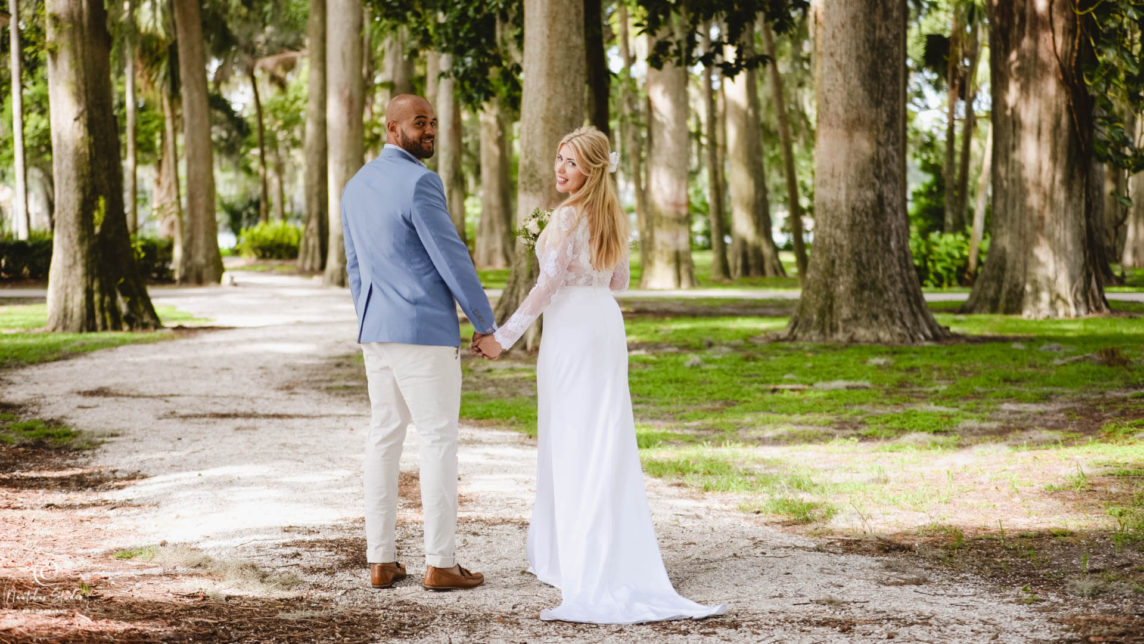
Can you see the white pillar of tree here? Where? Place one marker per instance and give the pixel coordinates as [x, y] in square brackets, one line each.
[315, 232]
[449, 145]
[20, 212]
[345, 93]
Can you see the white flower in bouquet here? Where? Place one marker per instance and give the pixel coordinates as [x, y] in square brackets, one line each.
[533, 225]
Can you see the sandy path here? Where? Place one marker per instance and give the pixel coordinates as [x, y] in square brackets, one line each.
[243, 457]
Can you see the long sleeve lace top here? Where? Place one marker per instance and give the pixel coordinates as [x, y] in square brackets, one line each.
[565, 260]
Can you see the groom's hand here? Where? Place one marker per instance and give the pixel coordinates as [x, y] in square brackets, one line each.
[489, 347]
[475, 344]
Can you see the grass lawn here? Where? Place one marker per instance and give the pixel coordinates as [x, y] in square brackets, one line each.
[22, 342]
[1020, 430]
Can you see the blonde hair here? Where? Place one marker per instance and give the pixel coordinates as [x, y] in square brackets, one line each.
[608, 226]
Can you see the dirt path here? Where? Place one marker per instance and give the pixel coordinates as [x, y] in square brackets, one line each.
[242, 481]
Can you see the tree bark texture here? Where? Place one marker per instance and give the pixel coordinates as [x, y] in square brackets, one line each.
[667, 262]
[1133, 255]
[494, 230]
[794, 206]
[344, 128]
[1044, 253]
[129, 102]
[753, 251]
[449, 146]
[969, 123]
[93, 283]
[861, 285]
[630, 125]
[716, 211]
[202, 259]
[315, 230]
[263, 174]
[20, 212]
[552, 104]
[978, 231]
[954, 218]
[599, 77]
[166, 204]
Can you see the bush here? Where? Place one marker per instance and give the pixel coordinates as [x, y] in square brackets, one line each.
[273, 240]
[25, 258]
[942, 259]
[153, 257]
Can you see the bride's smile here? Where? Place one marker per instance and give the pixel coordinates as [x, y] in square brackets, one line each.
[569, 177]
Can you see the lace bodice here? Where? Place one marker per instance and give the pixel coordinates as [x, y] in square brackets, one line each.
[565, 260]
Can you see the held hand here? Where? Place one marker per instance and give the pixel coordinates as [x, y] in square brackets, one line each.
[489, 347]
[474, 345]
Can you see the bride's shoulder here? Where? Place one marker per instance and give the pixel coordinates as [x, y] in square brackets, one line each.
[567, 218]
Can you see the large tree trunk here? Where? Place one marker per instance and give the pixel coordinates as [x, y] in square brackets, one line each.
[599, 78]
[263, 174]
[166, 204]
[794, 206]
[861, 285]
[753, 251]
[719, 269]
[667, 263]
[973, 47]
[398, 65]
[20, 205]
[203, 262]
[630, 135]
[552, 104]
[344, 128]
[129, 102]
[494, 230]
[1044, 255]
[449, 146]
[93, 283]
[279, 164]
[432, 76]
[315, 231]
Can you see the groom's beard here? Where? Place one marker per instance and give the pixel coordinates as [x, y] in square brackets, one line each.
[421, 148]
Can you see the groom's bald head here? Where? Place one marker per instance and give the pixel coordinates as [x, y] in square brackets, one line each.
[411, 122]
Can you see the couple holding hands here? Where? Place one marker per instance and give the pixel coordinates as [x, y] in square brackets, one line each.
[591, 533]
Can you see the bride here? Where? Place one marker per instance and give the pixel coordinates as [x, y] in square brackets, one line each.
[591, 534]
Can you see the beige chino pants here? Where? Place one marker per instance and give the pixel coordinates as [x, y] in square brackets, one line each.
[419, 385]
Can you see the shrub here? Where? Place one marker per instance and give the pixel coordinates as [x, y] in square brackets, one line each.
[942, 259]
[153, 256]
[25, 258]
[272, 240]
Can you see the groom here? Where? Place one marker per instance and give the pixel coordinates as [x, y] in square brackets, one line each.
[407, 269]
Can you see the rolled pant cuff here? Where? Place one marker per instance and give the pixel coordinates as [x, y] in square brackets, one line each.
[381, 556]
[440, 562]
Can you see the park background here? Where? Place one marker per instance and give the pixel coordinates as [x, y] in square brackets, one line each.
[888, 263]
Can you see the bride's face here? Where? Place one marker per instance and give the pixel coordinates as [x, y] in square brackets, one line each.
[569, 178]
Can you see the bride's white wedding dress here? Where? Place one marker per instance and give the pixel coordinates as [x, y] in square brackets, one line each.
[591, 534]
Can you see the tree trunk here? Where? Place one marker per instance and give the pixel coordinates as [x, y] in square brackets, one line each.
[969, 124]
[432, 84]
[954, 218]
[667, 263]
[20, 212]
[599, 77]
[344, 127]
[203, 262]
[494, 230]
[1116, 215]
[552, 104]
[978, 231]
[1044, 255]
[263, 178]
[166, 204]
[719, 269]
[633, 152]
[449, 146]
[794, 206]
[315, 231]
[93, 283]
[129, 102]
[753, 251]
[398, 65]
[1133, 255]
[861, 285]
[279, 178]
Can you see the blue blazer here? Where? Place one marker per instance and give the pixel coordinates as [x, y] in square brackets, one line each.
[405, 262]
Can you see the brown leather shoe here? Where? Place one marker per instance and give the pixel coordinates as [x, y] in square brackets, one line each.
[446, 579]
[384, 575]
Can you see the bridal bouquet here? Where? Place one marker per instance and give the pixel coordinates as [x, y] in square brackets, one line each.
[533, 225]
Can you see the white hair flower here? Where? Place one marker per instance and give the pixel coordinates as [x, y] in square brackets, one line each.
[613, 161]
